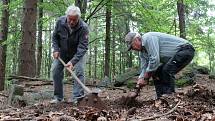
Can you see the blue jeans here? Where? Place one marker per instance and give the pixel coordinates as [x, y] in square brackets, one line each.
[58, 74]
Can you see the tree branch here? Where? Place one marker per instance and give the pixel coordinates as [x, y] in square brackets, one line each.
[96, 10]
[161, 115]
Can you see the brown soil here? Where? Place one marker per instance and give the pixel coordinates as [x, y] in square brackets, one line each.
[195, 102]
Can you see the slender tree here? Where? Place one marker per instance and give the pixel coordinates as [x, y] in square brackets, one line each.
[27, 63]
[181, 15]
[39, 40]
[107, 40]
[3, 38]
[113, 52]
[90, 61]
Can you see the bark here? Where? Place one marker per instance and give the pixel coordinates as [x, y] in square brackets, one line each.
[107, 41]
[3, 38]
[113, 54]
[181, 14]
[49, 51]
[95, 61]
[175, 27]
[2, 70]
[27, 66]
[95, 51]
[39, 46]
[129, 54]
[90, 61]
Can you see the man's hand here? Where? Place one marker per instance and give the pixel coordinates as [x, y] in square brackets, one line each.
[141, 82]
[56, 55]
[69, 65]
[147, 75]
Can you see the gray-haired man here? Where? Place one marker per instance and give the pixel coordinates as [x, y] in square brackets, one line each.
[70, 42]
[162, 56]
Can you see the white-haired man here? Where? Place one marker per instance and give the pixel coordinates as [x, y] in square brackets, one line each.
[162, 56]
[70, 42]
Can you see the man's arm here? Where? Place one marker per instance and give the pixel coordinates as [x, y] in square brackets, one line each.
[55, 38]
[82, 46]
[144, 63]
[152, 48]
[153, 52]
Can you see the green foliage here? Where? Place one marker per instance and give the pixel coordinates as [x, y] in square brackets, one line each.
[181, 83]
[130, 84]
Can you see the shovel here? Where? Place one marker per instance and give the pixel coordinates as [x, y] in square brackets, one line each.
[91, 99]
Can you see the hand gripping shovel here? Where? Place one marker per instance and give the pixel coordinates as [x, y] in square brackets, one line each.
[91, 99]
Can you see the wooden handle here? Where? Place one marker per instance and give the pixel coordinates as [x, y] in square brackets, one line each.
[76, 78]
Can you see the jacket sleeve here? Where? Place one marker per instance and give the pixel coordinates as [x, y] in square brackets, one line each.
[55, 38]
[152, 47]
[144, 63]
[82, 46]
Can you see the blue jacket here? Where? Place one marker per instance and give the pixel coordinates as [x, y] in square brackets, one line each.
[72, 43]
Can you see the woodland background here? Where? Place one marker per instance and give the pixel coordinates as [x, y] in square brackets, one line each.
[27, 26]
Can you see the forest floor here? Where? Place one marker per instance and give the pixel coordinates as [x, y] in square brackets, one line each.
[191, 103]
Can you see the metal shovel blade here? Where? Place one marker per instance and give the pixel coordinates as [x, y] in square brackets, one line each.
[91, 99]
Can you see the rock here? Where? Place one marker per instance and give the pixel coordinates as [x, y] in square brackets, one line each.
[63, 118]
[123, 78]
[101, 118]
[19, 101]
[185, 77]
[105, 82]
[16, 90]
[132, 111]
[212, 76]
[202, 70]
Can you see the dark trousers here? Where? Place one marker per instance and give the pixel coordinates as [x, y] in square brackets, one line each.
[165, 83]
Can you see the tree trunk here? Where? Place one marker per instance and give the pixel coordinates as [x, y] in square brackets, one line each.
[181, 14]
[82, 4]
[39, 46]
[27, 66]
[103, 63]
[3, 48]
[120, 56]
[113, 53]
[2, 69]
[129, 54]
[95, 51]
[95, 60]
[50, 51]
[175, 26]
[90, 61]
[107, 40]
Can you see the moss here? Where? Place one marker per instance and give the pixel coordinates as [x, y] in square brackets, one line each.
[131, 84]
[181, 82]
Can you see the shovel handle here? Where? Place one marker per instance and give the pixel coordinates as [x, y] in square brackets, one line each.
[76, 78]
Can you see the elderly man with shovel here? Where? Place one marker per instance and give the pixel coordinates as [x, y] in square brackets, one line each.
[162, 56]
[70, 43]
